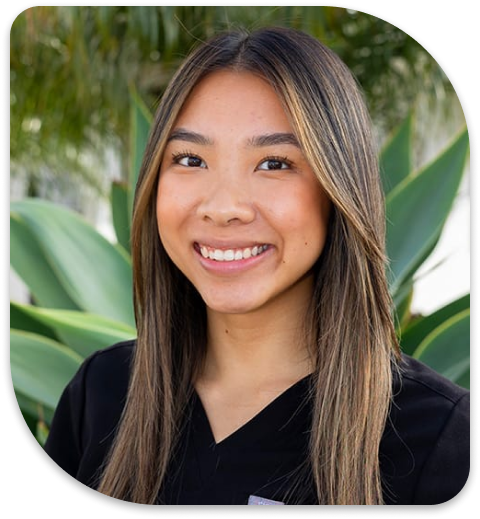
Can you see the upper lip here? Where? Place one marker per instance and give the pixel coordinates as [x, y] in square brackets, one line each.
[229, 244]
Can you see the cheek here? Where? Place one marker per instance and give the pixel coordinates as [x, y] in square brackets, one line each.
[168, 223]
[303, 215]
[167, 195]
[172, 204]
[316, 211]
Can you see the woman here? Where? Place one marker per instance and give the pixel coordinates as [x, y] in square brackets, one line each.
[266, 368]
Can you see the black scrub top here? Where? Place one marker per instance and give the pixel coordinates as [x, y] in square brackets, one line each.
[424, 453]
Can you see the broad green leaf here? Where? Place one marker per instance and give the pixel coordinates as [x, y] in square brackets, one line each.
[41, 368]
[447, 348]
[416, 332]
[33, 411]
[42, 433]
[398, 292]
[20, 320]
[396, 156]
[121, 220]
[28, 408]
[402, 309]
[30, 263]
[417, 209]
[140, 123]
[464, 380]
[95, 274]
[402, 292]
[83, 333]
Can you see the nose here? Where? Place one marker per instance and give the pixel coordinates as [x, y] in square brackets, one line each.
[227, 202]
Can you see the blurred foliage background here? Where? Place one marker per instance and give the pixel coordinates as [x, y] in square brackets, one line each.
[74, 68]
[84, 84]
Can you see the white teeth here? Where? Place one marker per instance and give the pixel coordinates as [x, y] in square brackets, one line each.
[228, 255]
[231, 254]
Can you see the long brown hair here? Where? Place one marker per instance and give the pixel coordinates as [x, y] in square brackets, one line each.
[350, 326]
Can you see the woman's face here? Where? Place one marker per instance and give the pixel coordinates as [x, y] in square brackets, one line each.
[239, 210]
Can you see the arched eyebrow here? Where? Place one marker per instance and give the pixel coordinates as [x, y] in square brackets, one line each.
[273, 139]
[258, 141]
[180, 134]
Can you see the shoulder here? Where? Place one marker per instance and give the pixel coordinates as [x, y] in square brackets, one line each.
[100, 375]
[112, 361]
[417, 379]
[98, 390]
[106, 374]
[89, 411]
[425, 447]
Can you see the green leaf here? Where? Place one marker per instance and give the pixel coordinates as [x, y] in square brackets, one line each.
[464, 380]
[29, 412]
[41, 368]
[83, 333]
[121, 220]
[396, 156]
[31, 264]
[402, 292]
[447, 348]
[94, 273]
[409, 277]
[417, 209]
[414, 333]
[402, 308]
[33, 412]
[20, 320]
[140, 123]
[42, 433]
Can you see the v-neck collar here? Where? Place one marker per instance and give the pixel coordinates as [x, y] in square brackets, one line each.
[260, 458]
[269, 420]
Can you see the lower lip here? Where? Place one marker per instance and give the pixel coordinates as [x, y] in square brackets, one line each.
[234, 266]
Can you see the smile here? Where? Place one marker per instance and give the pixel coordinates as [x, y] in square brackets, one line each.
[231, 254]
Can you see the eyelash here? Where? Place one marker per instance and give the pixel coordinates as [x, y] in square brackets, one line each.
[177, 157]
[276, 158]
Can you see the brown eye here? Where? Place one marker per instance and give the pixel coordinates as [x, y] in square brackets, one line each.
[274, 164]
[190, 161]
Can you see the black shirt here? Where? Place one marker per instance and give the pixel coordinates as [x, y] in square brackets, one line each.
[424, 453]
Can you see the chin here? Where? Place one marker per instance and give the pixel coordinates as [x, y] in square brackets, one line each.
[232, 309]
[231, 305]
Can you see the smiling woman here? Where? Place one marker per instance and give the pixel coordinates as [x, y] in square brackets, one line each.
[266, 368]
[241, 213]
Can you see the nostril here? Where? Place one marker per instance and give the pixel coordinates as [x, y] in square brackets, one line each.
[226, 213]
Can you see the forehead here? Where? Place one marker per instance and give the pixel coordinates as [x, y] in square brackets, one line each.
[233, 101]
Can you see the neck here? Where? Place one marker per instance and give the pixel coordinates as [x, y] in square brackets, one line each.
[265, 346]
